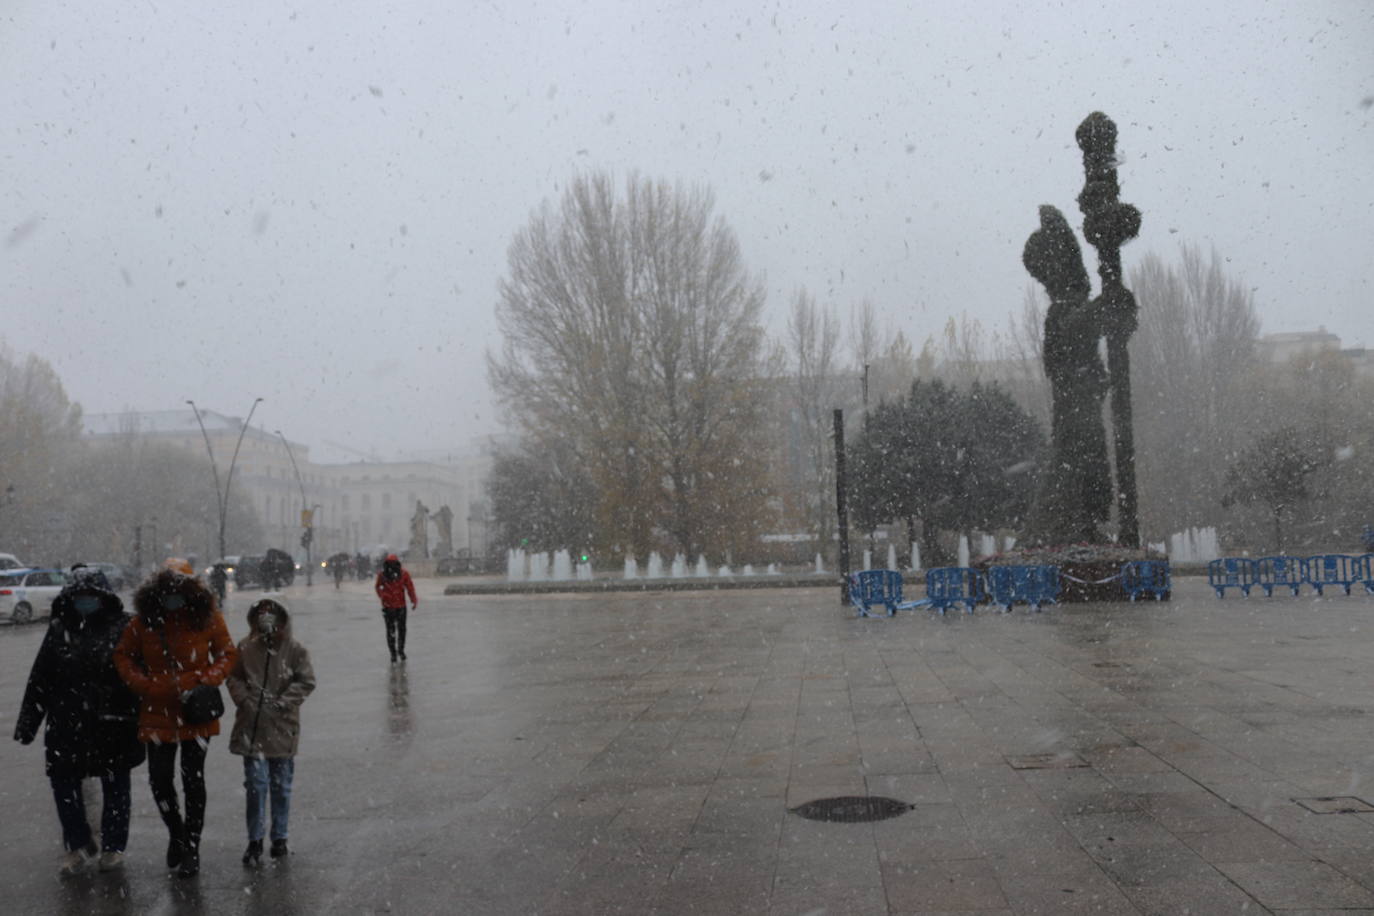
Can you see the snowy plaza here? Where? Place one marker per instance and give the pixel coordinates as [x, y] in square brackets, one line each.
[644, 752]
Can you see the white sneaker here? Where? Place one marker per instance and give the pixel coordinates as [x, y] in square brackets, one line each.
[111, 861]
[75, 862]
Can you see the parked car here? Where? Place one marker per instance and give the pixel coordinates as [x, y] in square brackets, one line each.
[10, 561]
[29, 592]
[248, 572]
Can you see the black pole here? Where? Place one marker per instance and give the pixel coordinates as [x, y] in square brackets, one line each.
[841, 509]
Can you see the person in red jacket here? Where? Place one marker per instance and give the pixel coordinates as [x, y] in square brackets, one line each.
[393, 585]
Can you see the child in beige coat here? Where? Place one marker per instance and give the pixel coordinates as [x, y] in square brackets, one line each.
[269, 682]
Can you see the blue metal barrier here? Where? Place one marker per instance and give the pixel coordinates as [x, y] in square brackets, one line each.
[1035, 585]
[1367, 572]
[1231, 572]
[872, 587]
[1140, 577]
[951, 585]
[1332, 569]
[1280, 572]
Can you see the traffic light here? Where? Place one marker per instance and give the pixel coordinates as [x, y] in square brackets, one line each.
[307, 536]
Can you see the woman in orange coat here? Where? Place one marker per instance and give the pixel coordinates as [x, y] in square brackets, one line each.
[177, 641]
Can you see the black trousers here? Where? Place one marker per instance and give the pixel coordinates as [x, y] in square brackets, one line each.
[161, 764]
[114, 814]
[395, 629]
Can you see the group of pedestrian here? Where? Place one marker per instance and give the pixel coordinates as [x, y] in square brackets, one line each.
[111, 690]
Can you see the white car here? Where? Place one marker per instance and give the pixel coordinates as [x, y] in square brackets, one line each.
[27, 593]
[10, 561]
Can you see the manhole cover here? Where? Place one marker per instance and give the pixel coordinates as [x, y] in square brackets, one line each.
[1336, 804]
[1063, 761]
[852, 809]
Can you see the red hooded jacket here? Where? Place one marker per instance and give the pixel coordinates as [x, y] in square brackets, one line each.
[393, 591]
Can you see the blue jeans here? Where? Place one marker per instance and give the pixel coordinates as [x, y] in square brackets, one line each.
[261, 778]
[114, 813]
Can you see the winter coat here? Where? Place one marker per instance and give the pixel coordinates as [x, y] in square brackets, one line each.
[196, 657]
[393, 591]
[270, 680]
[89, 715]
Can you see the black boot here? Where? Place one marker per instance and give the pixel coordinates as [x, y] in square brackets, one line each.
[176, 849]
[190, 856]
[252, 856]
[279, 849]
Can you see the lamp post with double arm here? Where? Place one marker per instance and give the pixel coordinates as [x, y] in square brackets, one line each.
[307, 513]
[222, 496]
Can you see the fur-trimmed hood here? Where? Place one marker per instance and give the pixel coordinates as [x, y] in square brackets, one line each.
[198, 606]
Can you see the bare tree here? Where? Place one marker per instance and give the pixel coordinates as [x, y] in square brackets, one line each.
[128, 481]
[864, 340]
[1193, 361]
[883, 358]
[39, 431]
[1019, 355]
[962, 352]
[632, 331]
[812, 339]
[895, 371]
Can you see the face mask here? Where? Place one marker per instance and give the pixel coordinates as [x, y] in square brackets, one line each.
[87, 604]
[173, 602]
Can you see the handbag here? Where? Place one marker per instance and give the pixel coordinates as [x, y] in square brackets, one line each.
[202, 703]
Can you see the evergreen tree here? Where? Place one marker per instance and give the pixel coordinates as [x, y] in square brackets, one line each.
[1274, 471]
[952, 460]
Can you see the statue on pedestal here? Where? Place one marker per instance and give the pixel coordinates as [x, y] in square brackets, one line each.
[419, 533]
[444, 520]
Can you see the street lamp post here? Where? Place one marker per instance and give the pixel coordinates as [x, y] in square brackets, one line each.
[222, 497]
[307, 513]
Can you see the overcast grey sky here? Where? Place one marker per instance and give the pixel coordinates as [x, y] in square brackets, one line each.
[313, 204]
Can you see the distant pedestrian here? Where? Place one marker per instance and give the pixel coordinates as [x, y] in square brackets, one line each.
[177, 642]
[362, 567]
[219, 582]
[269, 682]
[89, 718]
[393, 585]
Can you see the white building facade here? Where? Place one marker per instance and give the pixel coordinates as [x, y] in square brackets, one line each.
[362, 506]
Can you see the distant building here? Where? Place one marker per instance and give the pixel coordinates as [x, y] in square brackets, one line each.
[357, 506]
[1281, 348]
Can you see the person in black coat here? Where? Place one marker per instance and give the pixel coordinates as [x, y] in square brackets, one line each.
[89, 717]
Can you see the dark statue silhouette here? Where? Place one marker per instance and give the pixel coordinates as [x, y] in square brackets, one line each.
[1074, 501]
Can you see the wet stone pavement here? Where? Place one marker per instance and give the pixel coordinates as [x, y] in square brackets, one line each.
[639, 753]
